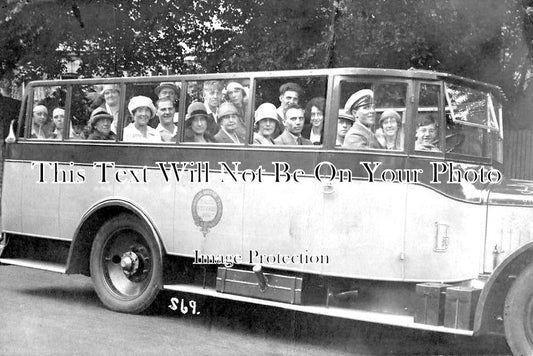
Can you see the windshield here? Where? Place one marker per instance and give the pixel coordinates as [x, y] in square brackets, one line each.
[473, 122]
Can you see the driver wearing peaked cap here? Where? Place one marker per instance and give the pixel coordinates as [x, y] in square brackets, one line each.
[361, 106]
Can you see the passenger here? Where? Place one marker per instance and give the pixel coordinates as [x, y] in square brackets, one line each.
[212, 97]
[228, 118]
[426, 133]
[111, 95]
[196, 124]
[42, 126]
[100, 126]
[166, 128]
[238, 97]
[389, 133]
[361, 106]
[58, 116]
[314, 115]
[294, 123]
[266, 121]
[142, 110]
[170, 91]
[212, 92]
[289, 93]
[344, 122]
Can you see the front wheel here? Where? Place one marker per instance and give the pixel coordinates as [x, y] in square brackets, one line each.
[518, 314]
[126, 264]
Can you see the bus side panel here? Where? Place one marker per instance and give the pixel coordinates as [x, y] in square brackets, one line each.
[147, 189]
[40, 201]
[208, 202]
[12, 196]
[208, 217]
[365, 224]
[76, 199]
[285, 218]
[334, 227]
[508, 228]
[462, 224]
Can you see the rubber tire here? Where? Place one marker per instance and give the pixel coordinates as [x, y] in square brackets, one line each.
[518, 305]
[109, 294]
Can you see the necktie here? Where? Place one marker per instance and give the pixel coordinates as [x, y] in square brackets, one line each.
[299, 140]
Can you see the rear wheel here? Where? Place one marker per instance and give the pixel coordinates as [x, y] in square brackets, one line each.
[126, 264]
[518, 314]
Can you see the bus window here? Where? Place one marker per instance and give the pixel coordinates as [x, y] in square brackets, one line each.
[216, 111]
[140, 113]
[427, 119]
[162, 100]
[371, 115]
[94, 112]
[301, 101]
[470, 122]
[48, 112]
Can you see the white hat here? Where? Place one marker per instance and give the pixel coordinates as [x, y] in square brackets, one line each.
[141, 101]
[266, 111]
[58, 111]
[360, 98]
[226, 109]
[234, 85]
[109, 87]
[40, 108]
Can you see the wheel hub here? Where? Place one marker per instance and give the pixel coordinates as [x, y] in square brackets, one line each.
[129, 263]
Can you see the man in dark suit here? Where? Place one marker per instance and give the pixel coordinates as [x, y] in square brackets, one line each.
[294, 123]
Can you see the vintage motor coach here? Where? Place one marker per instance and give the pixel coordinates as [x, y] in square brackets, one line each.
[427, 236]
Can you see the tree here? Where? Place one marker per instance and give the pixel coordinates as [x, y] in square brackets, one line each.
[480, 39]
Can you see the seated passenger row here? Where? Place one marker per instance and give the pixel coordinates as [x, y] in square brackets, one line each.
[215, 120]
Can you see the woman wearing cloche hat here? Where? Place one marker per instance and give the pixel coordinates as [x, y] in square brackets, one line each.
[266, 121]
[142, 110]
[389, 133]
[100, 125]
[196, 124]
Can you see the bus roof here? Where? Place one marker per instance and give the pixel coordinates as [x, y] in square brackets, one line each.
[375, 72]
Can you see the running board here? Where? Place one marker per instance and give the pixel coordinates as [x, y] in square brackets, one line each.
[361, 315]
[42, 265]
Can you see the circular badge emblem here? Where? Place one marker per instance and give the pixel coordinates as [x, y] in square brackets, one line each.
[206, 210]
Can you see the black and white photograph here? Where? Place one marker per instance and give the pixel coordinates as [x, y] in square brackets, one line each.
[266, 177]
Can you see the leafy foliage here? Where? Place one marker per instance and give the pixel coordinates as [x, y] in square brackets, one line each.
[480, 39]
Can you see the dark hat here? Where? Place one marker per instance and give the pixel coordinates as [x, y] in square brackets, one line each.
[196, 109]
[166, 85]
[344, 115]
[99, 114]
[361, 98]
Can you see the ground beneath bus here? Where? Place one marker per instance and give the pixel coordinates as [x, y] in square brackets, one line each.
[44, 313]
